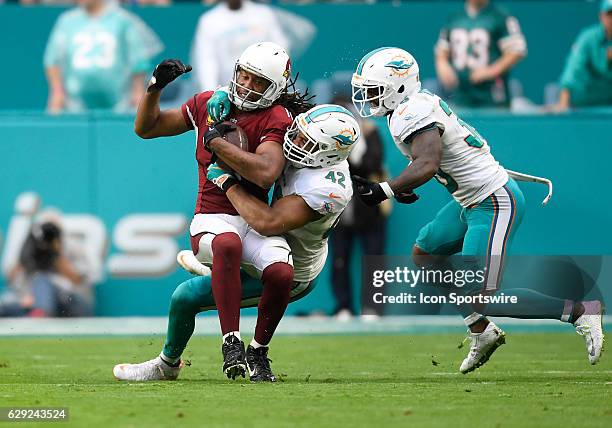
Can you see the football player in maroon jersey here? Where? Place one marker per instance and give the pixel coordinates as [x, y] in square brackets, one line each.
[263, 107]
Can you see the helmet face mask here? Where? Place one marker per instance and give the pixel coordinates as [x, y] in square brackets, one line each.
[299, 148]
[251, 99]
[323, 136]
[383, 79]
[368, 97]
[267, 61]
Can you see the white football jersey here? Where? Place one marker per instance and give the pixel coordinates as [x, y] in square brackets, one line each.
[468, 169]
[326, 190]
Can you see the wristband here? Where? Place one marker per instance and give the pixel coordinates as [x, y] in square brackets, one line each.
[387, 189]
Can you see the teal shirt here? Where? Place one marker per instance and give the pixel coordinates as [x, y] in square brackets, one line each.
[588, 71]
[477, 41]
[99, 55]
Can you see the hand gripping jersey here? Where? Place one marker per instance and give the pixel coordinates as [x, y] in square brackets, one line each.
[468, 170]
[260, 125]
[327, 191]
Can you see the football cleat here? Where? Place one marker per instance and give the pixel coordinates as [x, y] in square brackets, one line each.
[191, 264]
[589, 325]
[234, 362]
[155, 369]
[482, 347]
[259, 364]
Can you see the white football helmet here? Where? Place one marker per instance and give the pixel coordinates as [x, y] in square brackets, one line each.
[383, 79]
[323, 136]
[269, 61]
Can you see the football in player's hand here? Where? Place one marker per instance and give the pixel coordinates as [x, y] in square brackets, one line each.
[238, 138]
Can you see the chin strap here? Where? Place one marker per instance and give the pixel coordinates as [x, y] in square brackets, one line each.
[533, 179]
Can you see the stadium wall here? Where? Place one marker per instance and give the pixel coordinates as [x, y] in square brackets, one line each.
[132, 198]
[344, 34]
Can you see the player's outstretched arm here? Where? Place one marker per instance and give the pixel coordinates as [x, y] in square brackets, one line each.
[426, 157]
[287, 213]
[262, 167]
[150, 121]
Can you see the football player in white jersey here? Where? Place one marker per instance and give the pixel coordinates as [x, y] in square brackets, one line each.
[487, 205]
[308, 200]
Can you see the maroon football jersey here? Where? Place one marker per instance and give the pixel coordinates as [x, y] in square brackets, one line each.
[259, 125]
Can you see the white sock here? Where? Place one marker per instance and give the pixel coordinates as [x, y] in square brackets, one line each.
[255, 344]
[169, 360]
[234, 333]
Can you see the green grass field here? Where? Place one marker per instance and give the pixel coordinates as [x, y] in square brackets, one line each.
[539, 380]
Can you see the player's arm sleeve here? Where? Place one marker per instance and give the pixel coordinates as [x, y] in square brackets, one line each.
[142, 45]
[575, 70]
[326, 198]
[55, 50]
[416, 119]
[204, 57]
[511, 37]
[424, 127]
[276, 126]
[194, 109]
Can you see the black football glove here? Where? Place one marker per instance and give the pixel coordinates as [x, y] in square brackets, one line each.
[373, 193]
[165, 72]
[218, 129]
[370, 193]
[407, 197]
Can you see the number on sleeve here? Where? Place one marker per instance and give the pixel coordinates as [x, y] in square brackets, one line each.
[474, 139]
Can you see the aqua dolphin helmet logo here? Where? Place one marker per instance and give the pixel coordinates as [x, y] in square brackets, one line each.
[399, 65]
[345, 138]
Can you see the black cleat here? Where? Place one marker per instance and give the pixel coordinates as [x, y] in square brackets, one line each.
[259, 364]
[234, 362]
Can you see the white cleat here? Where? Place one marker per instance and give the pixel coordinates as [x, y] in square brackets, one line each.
[191, 264]
[589, 325]
[155, 369]
[482, 347]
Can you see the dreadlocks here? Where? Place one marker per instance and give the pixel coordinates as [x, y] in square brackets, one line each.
[293, 100]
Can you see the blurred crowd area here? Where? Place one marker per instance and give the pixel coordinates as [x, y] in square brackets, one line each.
[205, 2]
[100, 54]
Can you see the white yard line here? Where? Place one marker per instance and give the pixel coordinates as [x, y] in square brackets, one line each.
[209, 325]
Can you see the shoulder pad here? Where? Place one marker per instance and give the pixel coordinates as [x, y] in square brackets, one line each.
[325, 190]
[411, 115]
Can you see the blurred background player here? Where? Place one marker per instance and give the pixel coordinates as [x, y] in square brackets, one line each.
[358, 221]
[97, 57]
[262, 107]
[475, 52]
[308, 200]
[587, 77]
[45, 282]
[488, 205]
[227, 29]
